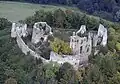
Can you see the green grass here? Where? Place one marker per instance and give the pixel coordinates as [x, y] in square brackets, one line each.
[15, 11]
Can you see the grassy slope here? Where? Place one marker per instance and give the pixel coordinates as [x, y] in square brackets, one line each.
[15, 11]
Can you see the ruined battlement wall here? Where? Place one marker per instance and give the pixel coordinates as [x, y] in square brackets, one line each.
[25, 49]
[82, 42]
[20, 30]
[17, 33]
[54, 57]
[81, 45]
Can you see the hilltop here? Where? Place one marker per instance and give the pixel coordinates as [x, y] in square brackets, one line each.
[24, 69]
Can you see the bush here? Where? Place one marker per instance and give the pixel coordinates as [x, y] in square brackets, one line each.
[60, 47]
[118, 46]
[4, 23]
[66, 74]
[11, 81]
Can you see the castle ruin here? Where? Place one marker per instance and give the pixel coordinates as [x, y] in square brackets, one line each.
[35, 40]
[83, 41]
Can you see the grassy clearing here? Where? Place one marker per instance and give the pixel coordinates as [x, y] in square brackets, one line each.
[15, 11]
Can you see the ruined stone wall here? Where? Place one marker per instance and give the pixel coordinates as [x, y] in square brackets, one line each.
[82, 43]
[80, 57]
[74, 60]
[25, 49]
[40, 30]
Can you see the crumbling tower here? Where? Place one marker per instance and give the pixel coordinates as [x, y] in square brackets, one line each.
[82, 41]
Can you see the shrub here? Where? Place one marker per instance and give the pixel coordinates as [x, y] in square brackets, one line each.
[60, 47]
[118, 46]
[4, 23]
[11, 81]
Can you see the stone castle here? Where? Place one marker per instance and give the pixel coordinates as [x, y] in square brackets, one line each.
[82, 41]
[34, 40]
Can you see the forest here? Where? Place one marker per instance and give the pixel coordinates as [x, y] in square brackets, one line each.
[16, 68]
[107, 9]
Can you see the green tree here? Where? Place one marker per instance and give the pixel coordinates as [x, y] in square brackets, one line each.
[92, 23]
[44, 74]
[66, 74]
[69, 19]
[11, 81]
[49, 18]
[102, 70]
[4, 23]
[94, 75]
[60, 47]
[69, 2]
[39, 16]
[117, 46]
[30, 21]
[59, 18]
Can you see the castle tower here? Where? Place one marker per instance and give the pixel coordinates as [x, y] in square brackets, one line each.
[80, 43]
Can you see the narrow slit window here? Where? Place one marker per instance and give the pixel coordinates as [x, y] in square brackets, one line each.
[81, 49]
